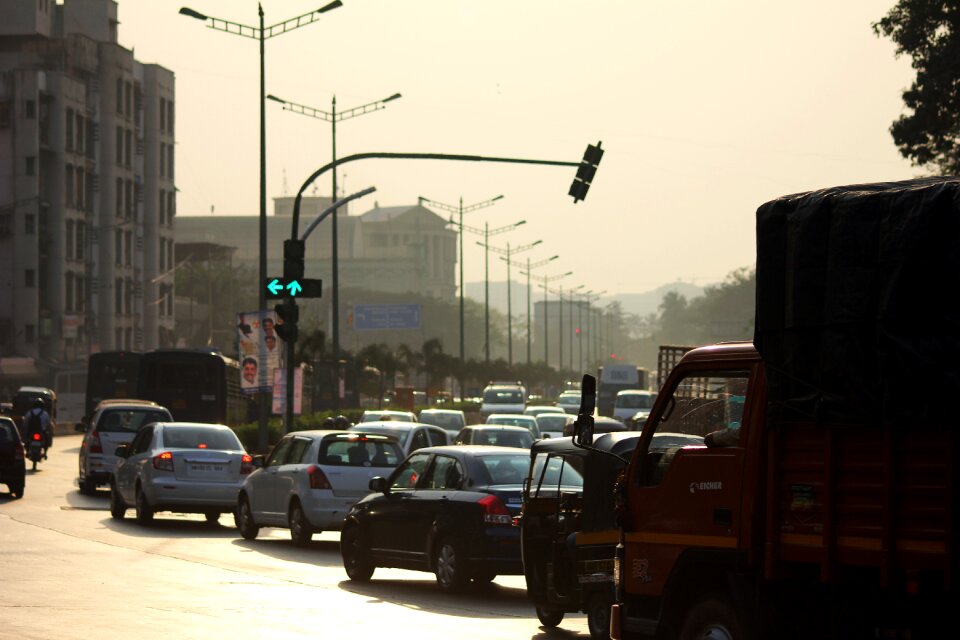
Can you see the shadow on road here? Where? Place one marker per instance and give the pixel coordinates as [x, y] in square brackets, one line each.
[174, 526]
[319, 553]
[557, 633]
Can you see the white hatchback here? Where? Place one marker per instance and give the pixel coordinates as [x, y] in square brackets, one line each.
[311, 479]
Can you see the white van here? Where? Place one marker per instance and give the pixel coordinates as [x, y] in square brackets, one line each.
[503, 398]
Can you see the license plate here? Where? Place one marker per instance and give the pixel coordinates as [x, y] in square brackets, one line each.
[206, 468]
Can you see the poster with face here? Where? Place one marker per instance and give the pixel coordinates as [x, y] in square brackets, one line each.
[259, 350]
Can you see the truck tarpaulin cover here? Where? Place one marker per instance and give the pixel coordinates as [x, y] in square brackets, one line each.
[858, 303]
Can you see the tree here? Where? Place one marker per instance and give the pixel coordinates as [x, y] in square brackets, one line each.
[928, 32]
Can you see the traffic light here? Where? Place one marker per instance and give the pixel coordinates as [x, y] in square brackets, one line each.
[585, 172]
[577, 331]
[288, 313]
[293, 252]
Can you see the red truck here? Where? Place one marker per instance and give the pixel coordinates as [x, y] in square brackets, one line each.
[823, 502]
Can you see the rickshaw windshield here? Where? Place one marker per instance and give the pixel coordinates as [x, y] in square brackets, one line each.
[555, 474]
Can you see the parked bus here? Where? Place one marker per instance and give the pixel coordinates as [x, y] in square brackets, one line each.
[195, 385]
[111, 374]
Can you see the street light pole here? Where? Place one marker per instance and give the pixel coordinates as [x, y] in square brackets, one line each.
[572, 332]
[333, 117]
[507, 252]
[486, 233]
[546, 317]
[528, 272]
[261, 34]
[460, 210]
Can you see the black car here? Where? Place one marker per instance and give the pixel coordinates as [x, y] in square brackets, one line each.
[12, 466]
[449, 510]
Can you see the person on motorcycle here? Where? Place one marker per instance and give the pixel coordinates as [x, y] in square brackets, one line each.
[341, 422]
[37, 420]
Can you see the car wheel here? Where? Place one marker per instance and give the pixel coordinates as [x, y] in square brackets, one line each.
[300, 530]
[118, 508]
[549, 617]
[143, 508]
[598, 615]
[711, 619]
[88, 487]
[356, 558]
[449, 565]
[244, 520]
[16, 490]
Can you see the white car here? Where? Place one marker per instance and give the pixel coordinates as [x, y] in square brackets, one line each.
[495, 435]
[633, 404]
[185, 467]
[516, 420]
[376, 415]
[114, 422]
[502, 398]
[552, 425]
[449, 419]
[311, 479]
[569, 401]
[410, 436]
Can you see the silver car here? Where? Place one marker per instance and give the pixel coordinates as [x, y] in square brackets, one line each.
[410, 435]
[311, 479]
[496, 435]
[184, 467]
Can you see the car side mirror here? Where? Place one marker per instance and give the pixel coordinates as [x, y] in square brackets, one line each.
[258, 461]
[378, 485]
[121, 451]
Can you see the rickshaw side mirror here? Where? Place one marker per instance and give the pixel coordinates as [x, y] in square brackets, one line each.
[583, 427]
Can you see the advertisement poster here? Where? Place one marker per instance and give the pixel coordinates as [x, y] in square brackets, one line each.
[280, 390]
[260, 350]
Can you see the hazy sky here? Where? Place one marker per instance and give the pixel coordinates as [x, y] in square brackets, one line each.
[706, 109]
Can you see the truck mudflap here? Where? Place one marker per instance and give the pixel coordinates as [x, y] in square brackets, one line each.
[615, 611]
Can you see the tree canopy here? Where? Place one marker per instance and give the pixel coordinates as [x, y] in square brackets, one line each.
[928, 32]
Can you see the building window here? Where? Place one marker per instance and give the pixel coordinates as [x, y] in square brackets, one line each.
[81, 133]
[170, 253]
[4, 114]
[81, 294]
[28, 333]
[163, 159]
[128, 198]
[80, 240]
[171, 207]
[29, 224]
[119, 95]
[69, 240]
[128, 98]
[31, 109]
[68, 292]
[127, 144]
[31, 167]
[170, 300]
[128, 297]
[118, 336]
[6, 225]
[118, 247]
[69, 134]
[163, 114]
[29, 276]
[118, 297]
[68, 181]
[119, 197]
[119, 148]
[163, 207]
[170, 117]
[170, 162]
[128, 248]
[81, 184]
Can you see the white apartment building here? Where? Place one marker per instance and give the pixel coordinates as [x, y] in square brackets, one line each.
[87, 191]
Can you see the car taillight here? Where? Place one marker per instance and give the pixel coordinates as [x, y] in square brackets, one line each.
[318, 479]
[94, 441]
[494, 512]
[163, 461]
[246, 464]
[18, 453]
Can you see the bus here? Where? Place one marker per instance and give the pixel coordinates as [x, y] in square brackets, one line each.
[199, 385]
[111, 374]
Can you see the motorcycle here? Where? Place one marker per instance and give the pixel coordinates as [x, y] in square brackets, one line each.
[35, 449]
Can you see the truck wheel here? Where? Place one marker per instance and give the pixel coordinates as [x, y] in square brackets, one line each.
[711, 619]
[598, 615]
[549, 617]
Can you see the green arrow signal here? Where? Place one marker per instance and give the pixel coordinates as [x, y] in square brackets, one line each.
[274, 287]
[294, 287]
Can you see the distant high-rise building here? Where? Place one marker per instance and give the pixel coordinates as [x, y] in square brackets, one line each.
[87, 193]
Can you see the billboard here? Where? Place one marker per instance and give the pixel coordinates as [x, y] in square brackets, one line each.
[259, 349]
[372, 317]
[280, 391]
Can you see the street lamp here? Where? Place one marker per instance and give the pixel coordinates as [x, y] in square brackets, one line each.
[333, 117]
[546, 316]
[527, 273]
[262, 33]
[460, 210]
[486, 232]
[507, 252]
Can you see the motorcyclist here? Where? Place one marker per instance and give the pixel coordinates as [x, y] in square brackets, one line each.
[37, 420]
[341, 422]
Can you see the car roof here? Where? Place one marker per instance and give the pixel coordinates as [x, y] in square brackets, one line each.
[394, 425]
[130, 404]
[472, 449]
[321, 433]
[453, 411]
[634, 392]
[511, 415]
[497, 427]
[127, 401]
[185, 425]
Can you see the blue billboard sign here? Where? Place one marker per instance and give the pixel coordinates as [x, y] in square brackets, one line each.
[372, 317]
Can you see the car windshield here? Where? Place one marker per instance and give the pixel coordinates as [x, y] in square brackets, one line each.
[379, 416]
[8, 433]
[635, 401]
[360, 452]
[200, 438]
[448, 421]
[552, 474]
[503, 438]
[503, 396]
[569, 400]
[129, 420]
[503, 468]
[552, 421]
[399, 432]
[514, 421]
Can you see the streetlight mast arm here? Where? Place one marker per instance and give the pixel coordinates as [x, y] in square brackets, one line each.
[532, 265]
[504, 252]
[339, 203]
[300, 21]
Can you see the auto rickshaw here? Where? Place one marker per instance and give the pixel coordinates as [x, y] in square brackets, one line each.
[568, 527]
